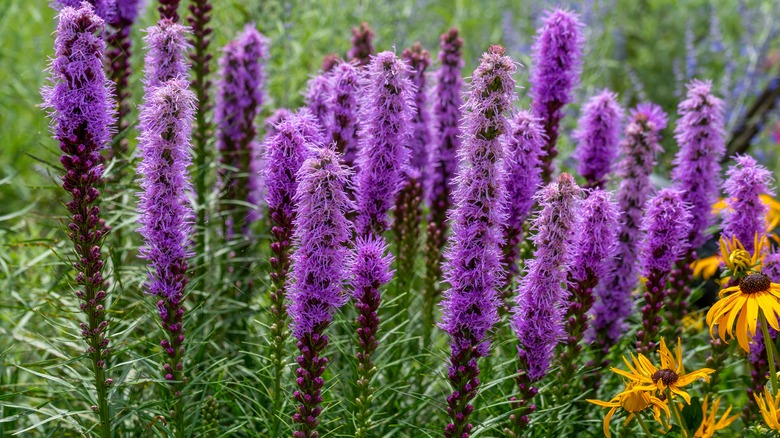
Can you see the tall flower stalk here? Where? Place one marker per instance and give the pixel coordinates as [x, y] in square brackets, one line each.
[541, 296]
[666, 224]
[473, 258]
[285, 151]
[318, 91]
[316, 286]
[166, 218]
[362, 45]
[598, 138]
[696, 174]
[554, 74]
[343, 104]
[745, 214]
[442, 161]
[166, 57]
[81, 108]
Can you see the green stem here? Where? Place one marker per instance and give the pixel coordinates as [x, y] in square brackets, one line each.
[643, 425]
[676, 412]
[770, 351]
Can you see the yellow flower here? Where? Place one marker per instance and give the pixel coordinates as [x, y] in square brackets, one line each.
[734, 256]
[709, 425]
[769, 409]
[632, 400]
[742, 304]
[670, 375]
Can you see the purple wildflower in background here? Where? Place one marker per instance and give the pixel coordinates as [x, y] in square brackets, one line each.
[239, 97]
[165, 216]
[316, 286]
[362, 45]
[317, 92]
[745, 214]
[343, 105]
[613, 295]
[386, 114]
[329, 62]
[666, 224]
[555, 72]
[169, 10]
[419, 59]
[274, 120]
[166, 56]
[81, 108]
[522, 167]
[473, 258]
[598, 137]
[105, 9]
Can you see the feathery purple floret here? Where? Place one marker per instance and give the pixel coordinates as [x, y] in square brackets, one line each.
[105, 9]
[371, 265]
[317, 92]
[419, 60]
[239, 97]
[772, 266]
[598, 137]
[321, 233]
[343, 106]
[666, 225]
[278, 116]
[541, 300]
[639, 148]
[386, 114]
[555, 72]
[745, 214]
[595, 241]
[696, 173]
[166, 57]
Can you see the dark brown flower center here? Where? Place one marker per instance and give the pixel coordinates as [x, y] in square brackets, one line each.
[755, 283]
[665, 375]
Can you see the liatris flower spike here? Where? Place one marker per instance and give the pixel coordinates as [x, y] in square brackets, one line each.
[82, 113]
[745, 214]
[166, 57]
[473, 258]
[598, 137]
[362, 45]
[318, 91]
[343, 105]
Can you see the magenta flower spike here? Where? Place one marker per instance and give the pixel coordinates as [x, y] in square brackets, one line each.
[239, 98]
[81, 108]
[343, 106]
[613, 295]
[105, 9]
[316, 287]
[473, 259]
[554, 74]
[745, 214]
[386, 114]
[667, 225]
[318, 91]
[166, 57]
[419, 60]
[598, 137]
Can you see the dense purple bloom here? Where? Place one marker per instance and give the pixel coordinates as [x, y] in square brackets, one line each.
[317, 92]
[541, 300]
[772, 266]
[598, 136]
[343, 105]
[239, 97]
[386, 114]
[696, 173]
[555, 72]
[271, 123]
[745, 214]
[639, 148]
[595, 241]
[473, 258]
[419, 60]
[166, 56]
[522, 167]
[82, 114]
[165, 214]
[105, 9]
[362, 45]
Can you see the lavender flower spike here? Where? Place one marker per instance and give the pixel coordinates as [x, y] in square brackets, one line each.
[555, 72]
[343, 105]
[523, 176]
[598, 136]
[667, 225]
[385, 131]
[473, 258]
[166, 57]
[613, 295]
[239, 98]
[82, 114]
[316, 286]
[745, 215]
[317, 92]
[105, 9]
[419, 60]
[166, 217]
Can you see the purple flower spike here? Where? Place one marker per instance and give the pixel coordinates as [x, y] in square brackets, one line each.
[554, 74]
[387, 111]
[105, 9]
[598, 136]
[169, 10]
[745, 214]
[419, 60]
[613, 295]
[362, 45]
[667, 225]
[316, 287]
[343, 104]
[523, 176]
[473, 258]
[271, 123]
[239, 97]
[82, 114]
[166, 57]
[317, 92]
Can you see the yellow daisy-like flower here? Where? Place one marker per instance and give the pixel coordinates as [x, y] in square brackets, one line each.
[671, 375]
[769, 408]
[734, 256]
[742, 303]
[633, 401]
[710, 424]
